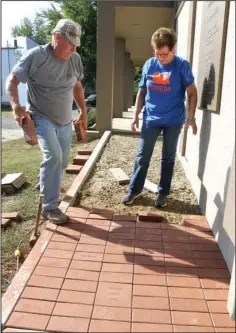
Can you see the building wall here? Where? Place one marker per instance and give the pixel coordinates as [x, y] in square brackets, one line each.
[209, 154]
[26, 43]
[182, 31]
[10, 57]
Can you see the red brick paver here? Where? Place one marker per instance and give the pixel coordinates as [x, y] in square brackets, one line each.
[85, 151]
[80, 159]
[74, 169]
[103, 272]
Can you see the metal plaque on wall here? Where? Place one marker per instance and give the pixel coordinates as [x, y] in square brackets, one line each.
[211, 54]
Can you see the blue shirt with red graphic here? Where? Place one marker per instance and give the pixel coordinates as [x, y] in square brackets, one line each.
[166, 86]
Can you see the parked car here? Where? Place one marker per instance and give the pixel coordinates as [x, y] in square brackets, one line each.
[91, 100]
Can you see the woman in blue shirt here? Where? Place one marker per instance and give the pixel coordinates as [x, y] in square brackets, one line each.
[165, 80]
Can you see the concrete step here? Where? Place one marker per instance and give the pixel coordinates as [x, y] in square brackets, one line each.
[132, 109]
[130, 115]
[124, 125]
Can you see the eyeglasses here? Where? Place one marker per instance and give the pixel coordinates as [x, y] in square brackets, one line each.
[162, 55]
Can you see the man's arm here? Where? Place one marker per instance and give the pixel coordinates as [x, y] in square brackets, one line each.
[192, 104]
[78, 94]
[19, 112]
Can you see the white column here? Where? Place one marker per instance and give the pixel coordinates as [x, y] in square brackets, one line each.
[105, 58]
[118, 79]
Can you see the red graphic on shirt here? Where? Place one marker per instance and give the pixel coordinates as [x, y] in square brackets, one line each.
[161, 78]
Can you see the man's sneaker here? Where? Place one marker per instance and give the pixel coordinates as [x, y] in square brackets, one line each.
[161, 201]
[129, 198]
[56, 216]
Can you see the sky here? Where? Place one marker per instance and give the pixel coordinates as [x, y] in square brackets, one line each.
[14, 11]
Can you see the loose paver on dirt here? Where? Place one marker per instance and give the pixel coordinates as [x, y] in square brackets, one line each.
[120, 176]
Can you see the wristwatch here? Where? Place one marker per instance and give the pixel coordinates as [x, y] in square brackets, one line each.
[192, 118]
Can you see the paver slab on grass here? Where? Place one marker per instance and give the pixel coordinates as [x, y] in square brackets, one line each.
[6, 111]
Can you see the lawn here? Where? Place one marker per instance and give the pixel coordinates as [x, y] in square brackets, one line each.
[17, 156]
[6, 111]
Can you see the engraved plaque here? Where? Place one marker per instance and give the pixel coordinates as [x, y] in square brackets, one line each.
[211, 55]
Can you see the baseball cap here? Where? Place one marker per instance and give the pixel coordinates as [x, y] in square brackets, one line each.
[70, 29]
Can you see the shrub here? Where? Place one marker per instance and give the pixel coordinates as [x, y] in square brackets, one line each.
[91, 115]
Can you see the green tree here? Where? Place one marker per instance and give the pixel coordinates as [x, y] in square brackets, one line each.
[50, 18]
[137, 77]
[33, 29]
[83, 12]
[40, 28]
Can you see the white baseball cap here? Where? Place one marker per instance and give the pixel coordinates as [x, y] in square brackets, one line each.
[70, 29]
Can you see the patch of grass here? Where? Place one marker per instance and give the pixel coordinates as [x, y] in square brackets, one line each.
[17, 156]
[6, 107]
[6, 111]
[10, 241]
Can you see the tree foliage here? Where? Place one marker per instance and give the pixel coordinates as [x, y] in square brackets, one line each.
[137, 77]
[33, 29]
[83, 12]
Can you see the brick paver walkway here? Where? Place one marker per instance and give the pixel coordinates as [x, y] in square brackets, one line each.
[103, 273]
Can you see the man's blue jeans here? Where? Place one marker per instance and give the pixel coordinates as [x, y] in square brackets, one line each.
[54, 141]
[147, 142]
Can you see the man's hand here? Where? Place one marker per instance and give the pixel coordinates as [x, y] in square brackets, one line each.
[192, 123]
[135, 124]
[82, 118]
[19, 113]
[78, 94]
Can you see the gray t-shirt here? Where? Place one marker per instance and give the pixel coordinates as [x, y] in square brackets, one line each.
[50, 82]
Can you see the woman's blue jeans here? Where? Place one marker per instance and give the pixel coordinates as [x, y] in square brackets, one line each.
[147, 142]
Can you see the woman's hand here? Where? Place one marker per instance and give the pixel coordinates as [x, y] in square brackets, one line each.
[135, 124]
[192, 123]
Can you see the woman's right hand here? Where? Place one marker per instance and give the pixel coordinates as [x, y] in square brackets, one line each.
[135, 124]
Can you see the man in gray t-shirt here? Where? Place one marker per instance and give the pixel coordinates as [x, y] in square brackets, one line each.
[53, 74]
